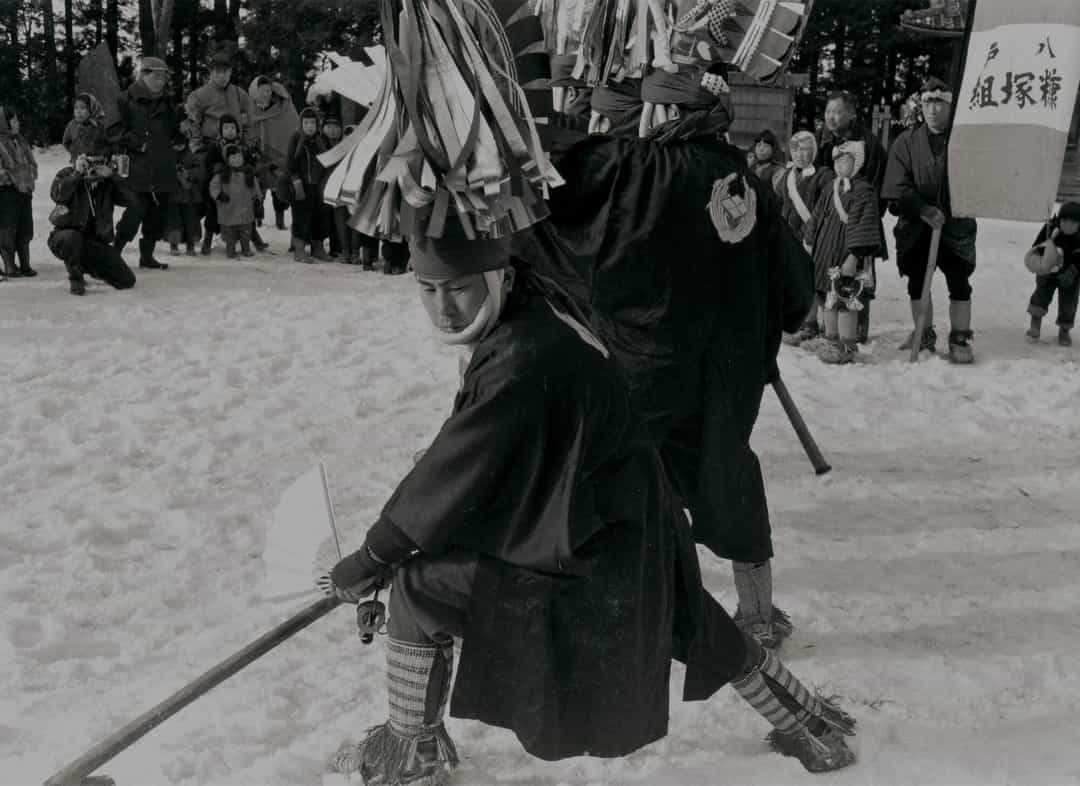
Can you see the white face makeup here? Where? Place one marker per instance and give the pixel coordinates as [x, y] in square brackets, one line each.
[452, 304]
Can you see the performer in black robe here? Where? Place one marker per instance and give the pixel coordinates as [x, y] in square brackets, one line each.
[694, 312]
[917, 186]
[540, 528]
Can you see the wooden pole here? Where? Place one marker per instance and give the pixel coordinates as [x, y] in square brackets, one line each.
[75, 774]
[813, 452]
[924, 303]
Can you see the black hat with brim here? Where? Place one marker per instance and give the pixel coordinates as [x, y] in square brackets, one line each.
[454, 255]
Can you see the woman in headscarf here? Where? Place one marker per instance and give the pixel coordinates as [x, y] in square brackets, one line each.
[18, 174]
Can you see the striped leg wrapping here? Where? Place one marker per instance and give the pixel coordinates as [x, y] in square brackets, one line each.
[812, 706]
[759, 695]
[412, 747]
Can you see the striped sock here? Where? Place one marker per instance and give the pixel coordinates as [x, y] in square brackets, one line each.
[417, 682]
[759, 695]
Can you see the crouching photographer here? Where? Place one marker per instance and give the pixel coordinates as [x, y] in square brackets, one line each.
[82, 237]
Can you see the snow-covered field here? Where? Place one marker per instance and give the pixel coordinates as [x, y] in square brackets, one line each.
[145, 437]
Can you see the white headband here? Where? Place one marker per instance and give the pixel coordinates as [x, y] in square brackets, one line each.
[937, 95]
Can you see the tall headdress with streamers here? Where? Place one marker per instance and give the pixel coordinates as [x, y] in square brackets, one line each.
[451, 134]
[624, 38]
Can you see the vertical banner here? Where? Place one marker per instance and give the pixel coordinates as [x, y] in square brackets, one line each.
[1014, 109]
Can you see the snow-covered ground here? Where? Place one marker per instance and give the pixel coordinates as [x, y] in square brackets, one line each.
[145, 437]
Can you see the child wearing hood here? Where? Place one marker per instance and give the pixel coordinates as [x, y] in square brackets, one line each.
[186, 205]
[235, 189]
[1062, 276]
[86, 129]
[18, 174]
[336, 219]
[845, 235]
[800, 187]
[306, 175]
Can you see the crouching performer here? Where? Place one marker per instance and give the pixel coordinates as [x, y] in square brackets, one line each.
[83, 234]
[540, 529]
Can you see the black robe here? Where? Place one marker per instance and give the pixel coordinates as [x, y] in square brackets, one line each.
[915, 178]
[695, 321]
[588, 581]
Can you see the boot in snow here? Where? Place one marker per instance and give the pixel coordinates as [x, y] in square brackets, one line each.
[838, 352]
[808, 727]
[960, 337]
[1034, 331]
[8, 255]
[300, 254]
[146, 256]
[24, 262]
[929, 336]
[412, 747]
[1063, 337]
[280, 215]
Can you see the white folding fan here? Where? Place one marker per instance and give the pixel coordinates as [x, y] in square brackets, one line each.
[302, 541]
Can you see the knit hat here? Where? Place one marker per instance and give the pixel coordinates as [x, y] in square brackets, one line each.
[309, 113]
[220, 60]
[152, 64]
[1070, 211]
[799, 137]
[454, 254]
[231, 150]
[331, 120]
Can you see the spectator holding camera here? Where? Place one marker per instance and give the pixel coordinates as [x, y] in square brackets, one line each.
[145, 129]
[82, 237]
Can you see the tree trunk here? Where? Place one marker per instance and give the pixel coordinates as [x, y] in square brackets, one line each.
[193, 54]
[99, 18]
[163, 14]
[147, 31]
[112, 26]
[69, 47]
[49, 55]
[178, 62]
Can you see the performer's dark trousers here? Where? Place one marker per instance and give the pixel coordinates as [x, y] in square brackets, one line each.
[957, 270]
[150, 210]
[1045, 287]
[16, 218]
[340, 235]
[82, 253]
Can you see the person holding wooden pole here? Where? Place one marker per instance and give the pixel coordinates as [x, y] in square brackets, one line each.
[917, 187]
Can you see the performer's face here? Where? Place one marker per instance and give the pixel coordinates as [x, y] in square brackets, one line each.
[82, 112]
[1069, 226]
[936, 114]
[452, 304]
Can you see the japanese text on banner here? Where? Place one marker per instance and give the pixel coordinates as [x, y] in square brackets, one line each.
[1021, 74]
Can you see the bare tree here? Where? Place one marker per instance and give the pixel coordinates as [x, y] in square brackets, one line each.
[112, 26]
[155, 23]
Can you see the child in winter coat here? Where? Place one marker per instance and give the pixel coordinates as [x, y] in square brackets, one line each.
[1064, 234]
[86, 129]
[800, 188]
[234, 188]
[306, 176]
[845, 234]
[336, 219]
[18, 174]
[185, 206]
[763, 159]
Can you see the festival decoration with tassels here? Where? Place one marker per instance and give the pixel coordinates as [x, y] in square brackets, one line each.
[757, 37]
[451, 134]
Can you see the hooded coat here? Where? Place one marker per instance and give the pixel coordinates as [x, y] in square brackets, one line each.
[87, 137]
[587, 583]
[145, 129]
[273, 126]
[18, 168]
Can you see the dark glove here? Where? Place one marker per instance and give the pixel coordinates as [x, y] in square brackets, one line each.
[358, 575]
[223, 197]
[1068, 276]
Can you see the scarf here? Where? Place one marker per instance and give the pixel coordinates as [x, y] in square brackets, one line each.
[486, 317]
[793, 191]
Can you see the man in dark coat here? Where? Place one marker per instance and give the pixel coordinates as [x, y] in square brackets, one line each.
[144, 130]
[85, 194]
[917, 186]
[539, 527]
[693, 311]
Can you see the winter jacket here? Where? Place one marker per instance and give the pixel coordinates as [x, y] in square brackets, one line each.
[83, 138]
[207, 104]
[191, 179]
[273, 126]
[17, 165]
[873, 168]
[90, 204]
[303, 159]
[145, 130]
[239, 210]
[1068, 245]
